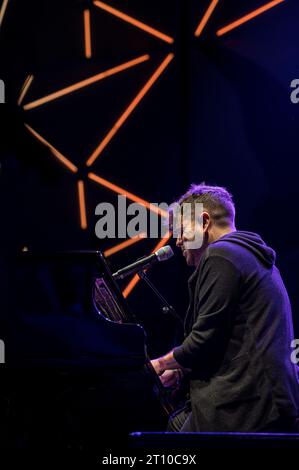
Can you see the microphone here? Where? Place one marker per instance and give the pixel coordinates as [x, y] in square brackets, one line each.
[145, 262]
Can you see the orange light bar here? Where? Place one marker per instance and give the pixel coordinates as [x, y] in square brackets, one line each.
[3, 10]
[86, 82]
[82, 205]
[128, 289]
[25, 89]
[206, 17]
[117, 189]
[96, 153]
[54, 151]
[248, 17]
[133, 21]
[135, 279]
[125, 244]
[87, 33]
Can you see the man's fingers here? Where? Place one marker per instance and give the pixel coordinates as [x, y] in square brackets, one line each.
[170, 378]
[157, 366]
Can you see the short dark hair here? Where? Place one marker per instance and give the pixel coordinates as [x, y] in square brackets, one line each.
[216, 200]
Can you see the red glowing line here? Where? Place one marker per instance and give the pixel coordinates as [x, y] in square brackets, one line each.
[65, 161]
[86, 82]
[25, 88]
[206, 17]
[117, 189]
[250, 16]
[87, 33]
[3, 10]
[125, 244]
[124, 116]
[133, 21]
[135, 279]
[82, 204]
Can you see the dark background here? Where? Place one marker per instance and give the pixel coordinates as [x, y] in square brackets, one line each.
[220, 113]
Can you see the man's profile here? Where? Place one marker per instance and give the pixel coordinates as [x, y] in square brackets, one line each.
[238, 329]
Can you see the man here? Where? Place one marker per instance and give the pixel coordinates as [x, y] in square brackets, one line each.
[238, 328]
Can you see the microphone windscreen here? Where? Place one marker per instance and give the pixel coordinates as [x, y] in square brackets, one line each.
[164, 253]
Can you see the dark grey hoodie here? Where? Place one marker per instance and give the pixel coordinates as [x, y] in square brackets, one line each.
[238, 332]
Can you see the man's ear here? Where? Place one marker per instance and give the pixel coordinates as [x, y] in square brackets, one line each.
[206, 221]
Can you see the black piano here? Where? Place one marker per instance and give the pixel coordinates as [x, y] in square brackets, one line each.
[77, 374]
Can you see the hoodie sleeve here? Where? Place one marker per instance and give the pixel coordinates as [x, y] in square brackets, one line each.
[216, 300]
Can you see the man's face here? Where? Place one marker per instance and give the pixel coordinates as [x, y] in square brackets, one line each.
[191, 255]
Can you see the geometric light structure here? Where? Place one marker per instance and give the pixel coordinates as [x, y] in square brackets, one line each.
[128, 110]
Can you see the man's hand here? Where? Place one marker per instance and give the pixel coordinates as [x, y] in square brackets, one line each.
[166, 362]
[157, 366]
[168, 377]
[171, 378]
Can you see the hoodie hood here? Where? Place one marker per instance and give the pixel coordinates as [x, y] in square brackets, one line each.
[252, 242]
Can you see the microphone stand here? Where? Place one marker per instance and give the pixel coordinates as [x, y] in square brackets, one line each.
[166, 307]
